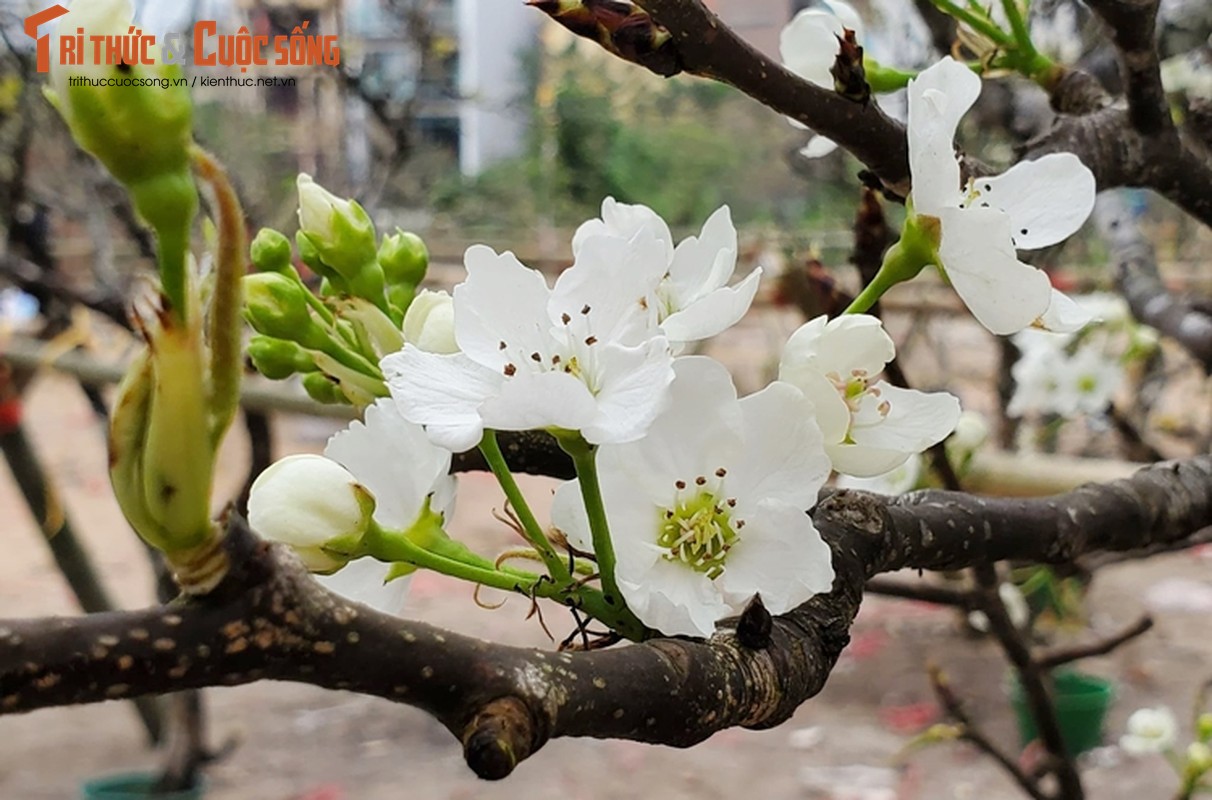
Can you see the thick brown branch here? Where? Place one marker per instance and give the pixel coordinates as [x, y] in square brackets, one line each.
[709, 48]
[1138, 281]
[269, 620]
[1133, 26]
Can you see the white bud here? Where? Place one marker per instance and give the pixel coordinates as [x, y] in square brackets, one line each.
[307, 501]
[1149, 730]
[429, 322]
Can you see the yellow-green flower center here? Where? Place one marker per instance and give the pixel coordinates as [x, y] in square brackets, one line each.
[699, 529]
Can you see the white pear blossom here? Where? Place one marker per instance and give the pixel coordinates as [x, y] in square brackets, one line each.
[693, 300]
[1150, 730]
[1091, 378]
[583, 356]
[429, 322]
[1048, 379]
[869, 427]
[895, 481]
[711, 506]
[305, 501]
[1033, 204]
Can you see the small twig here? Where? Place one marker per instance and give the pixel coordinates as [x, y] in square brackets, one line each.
[924, 592]
[970, 733]
[1059, 656]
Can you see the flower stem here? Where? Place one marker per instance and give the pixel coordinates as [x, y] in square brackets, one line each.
[978, 22]
[391, 546]
[584, 459]
[871, 293]
[530, 526]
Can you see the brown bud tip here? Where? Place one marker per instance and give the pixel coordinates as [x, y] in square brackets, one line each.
[500, 736]
[755, 625]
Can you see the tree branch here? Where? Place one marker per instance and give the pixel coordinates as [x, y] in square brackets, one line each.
[269, 620]
[1139, 282]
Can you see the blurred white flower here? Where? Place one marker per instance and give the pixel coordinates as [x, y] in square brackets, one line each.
[1149, 730]
[711, 506]
[869, 427]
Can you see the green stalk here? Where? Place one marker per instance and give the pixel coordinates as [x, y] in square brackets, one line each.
[871, 293]
[390, 546]
[530, 526]
[978, 23]
[584, 458]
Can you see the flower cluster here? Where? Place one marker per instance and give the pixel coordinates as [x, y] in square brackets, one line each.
[1070, 374]
[690, 499]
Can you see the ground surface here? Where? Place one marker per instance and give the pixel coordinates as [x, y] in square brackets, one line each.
[297, 742]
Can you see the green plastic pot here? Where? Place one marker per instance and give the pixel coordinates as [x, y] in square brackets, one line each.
[1082, 702]
[134, 786]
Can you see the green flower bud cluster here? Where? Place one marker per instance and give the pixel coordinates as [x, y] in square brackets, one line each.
[335, 338]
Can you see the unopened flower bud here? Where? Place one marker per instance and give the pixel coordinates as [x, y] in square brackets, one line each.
[276, 306]
[1203, 727]
[404, 258]
[401, 296]
[278, 359]
[313, 505]
[270, 251]
[340, 231]
[429, 322]
[323, 389]
[1199, 758]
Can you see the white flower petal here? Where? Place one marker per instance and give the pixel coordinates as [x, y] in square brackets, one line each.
[634, 389]
[839, 346]
[701, 264]
[818, 147]
[531, 400]
[626, 221]
[568, 514]
[1064, 315]
[395, 460]
[808, 45]
[713, 313]
[895, 481]
[612, 277]
[699, 431]
[781, 555]
[1004, 294]
[913, 420]
[441, 392]
[364, 581]
[938, 98]
[673, 599]
[501, 301]
[784, 457]
[1048, 199]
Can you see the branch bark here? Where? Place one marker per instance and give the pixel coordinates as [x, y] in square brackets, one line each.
[269, 620]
